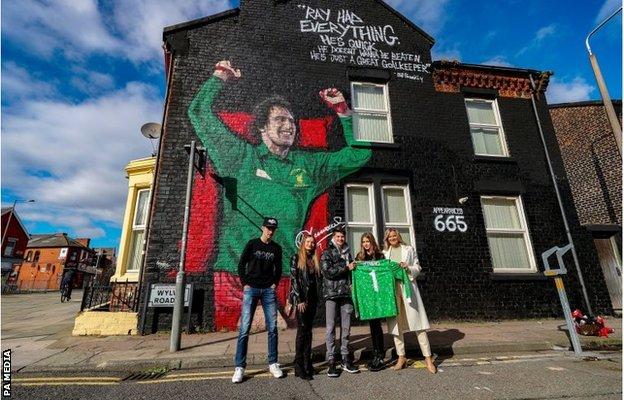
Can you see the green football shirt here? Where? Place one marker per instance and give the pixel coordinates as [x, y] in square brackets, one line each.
[373, 288]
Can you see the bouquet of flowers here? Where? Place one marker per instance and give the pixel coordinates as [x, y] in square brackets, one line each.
[590, 326]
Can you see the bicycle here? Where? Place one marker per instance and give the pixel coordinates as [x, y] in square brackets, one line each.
[65, 293]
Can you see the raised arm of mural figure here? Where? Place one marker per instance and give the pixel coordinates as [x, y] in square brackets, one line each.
[331, 167]
[223, 146]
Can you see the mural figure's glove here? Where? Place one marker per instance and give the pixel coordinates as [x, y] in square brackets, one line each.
[336, 101]
[225, 71]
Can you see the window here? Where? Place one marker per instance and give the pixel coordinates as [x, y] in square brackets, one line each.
[10, 247]
[361, 215]
[138, 230]
[486, 128]
[508, 235]
[29, 256]
[36, 256]
[371, 112]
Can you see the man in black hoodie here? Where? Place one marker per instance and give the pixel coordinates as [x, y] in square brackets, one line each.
[259, 269]
[336, 266]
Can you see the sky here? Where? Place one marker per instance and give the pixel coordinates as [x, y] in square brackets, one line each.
[80, 77]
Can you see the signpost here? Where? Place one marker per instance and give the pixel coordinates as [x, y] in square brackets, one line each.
[556, 273]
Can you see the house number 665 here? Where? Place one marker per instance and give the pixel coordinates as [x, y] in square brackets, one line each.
[451, 223]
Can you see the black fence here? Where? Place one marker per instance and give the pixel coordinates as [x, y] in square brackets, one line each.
[114, 296]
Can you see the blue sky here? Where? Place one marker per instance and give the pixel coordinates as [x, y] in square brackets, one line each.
[79, 78]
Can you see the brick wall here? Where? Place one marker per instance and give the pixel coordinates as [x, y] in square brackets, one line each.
[592, 161]
[432, 153]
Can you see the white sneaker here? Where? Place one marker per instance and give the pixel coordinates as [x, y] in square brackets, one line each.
[275, 370]
[238, 375]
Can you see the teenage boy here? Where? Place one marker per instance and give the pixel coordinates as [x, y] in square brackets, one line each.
[336, 266]
[260, 269]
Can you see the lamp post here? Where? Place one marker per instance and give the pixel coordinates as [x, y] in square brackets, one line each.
[6, 228]
[197, 161]
[613, 120]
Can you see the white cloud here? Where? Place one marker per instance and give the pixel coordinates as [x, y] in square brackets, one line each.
[541, 34]
[498, 61]
[18, 83]
[608, 8]
[429, 15]
[45, 28]
[79, 28]
[82, 149]
[564, 92]
[141, 22]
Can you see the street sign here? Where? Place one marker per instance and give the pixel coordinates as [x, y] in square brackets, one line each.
[163, 295]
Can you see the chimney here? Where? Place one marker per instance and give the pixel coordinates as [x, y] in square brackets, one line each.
[84, 241]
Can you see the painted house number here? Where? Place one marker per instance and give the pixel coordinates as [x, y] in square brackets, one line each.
[449, 219]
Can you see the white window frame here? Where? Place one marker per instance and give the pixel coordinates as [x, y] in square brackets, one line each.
[524, 229]
[408, 205]
[371, 205]
[498, 126]
[385, 112]
[137, 227]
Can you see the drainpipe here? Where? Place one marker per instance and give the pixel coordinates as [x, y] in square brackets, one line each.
[169, 66]
[606, 99]
[534, 92]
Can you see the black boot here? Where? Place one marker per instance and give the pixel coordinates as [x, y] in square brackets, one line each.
[376, 364]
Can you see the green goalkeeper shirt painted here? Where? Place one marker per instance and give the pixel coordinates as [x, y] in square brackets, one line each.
[373, 288]
[261, 183]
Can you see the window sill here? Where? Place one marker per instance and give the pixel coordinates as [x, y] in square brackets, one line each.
[377, 145]
[494, 159]
[517, 276]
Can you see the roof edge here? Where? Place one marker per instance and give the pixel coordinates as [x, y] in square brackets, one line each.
[584, 103]
[483, 67]
[167, 30]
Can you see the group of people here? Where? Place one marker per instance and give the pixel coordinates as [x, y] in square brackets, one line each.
[327, 279]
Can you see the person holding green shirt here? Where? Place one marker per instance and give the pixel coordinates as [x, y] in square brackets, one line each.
[269, 178]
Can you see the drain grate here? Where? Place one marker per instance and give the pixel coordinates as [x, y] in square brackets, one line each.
[144, 376]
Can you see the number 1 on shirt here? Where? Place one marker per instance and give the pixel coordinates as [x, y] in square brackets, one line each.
[374, 277]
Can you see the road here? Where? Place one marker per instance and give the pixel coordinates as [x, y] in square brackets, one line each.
[551, 375]
[34, 321]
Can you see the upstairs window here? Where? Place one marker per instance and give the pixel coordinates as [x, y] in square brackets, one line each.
[371, 112]
[138, 230]
[9, 249]
[486, 129]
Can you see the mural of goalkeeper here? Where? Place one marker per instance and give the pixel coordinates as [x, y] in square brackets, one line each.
[269, 179]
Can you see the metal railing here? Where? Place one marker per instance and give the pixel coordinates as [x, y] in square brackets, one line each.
[113, 296]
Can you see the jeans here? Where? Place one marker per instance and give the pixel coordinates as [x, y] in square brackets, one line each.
[303, 343]
[346, 309]
[251, 296]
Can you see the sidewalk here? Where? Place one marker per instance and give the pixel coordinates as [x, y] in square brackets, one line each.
[64, 352]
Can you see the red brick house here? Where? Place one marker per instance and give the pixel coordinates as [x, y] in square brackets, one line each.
[593, 167]
[49, 256]
[14, 240]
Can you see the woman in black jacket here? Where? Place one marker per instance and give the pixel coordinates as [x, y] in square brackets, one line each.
[369, 251]
[304, 284]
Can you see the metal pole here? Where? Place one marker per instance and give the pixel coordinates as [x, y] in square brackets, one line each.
[604, 93]
[576, 344]
[563, 214]
[178, 305]
[6, 228]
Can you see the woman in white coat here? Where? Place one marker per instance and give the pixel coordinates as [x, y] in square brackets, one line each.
[411, 316]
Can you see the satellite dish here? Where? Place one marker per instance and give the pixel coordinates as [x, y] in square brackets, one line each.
[151, 130]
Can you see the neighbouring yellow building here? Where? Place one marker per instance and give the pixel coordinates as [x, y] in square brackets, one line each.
[118, 315]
